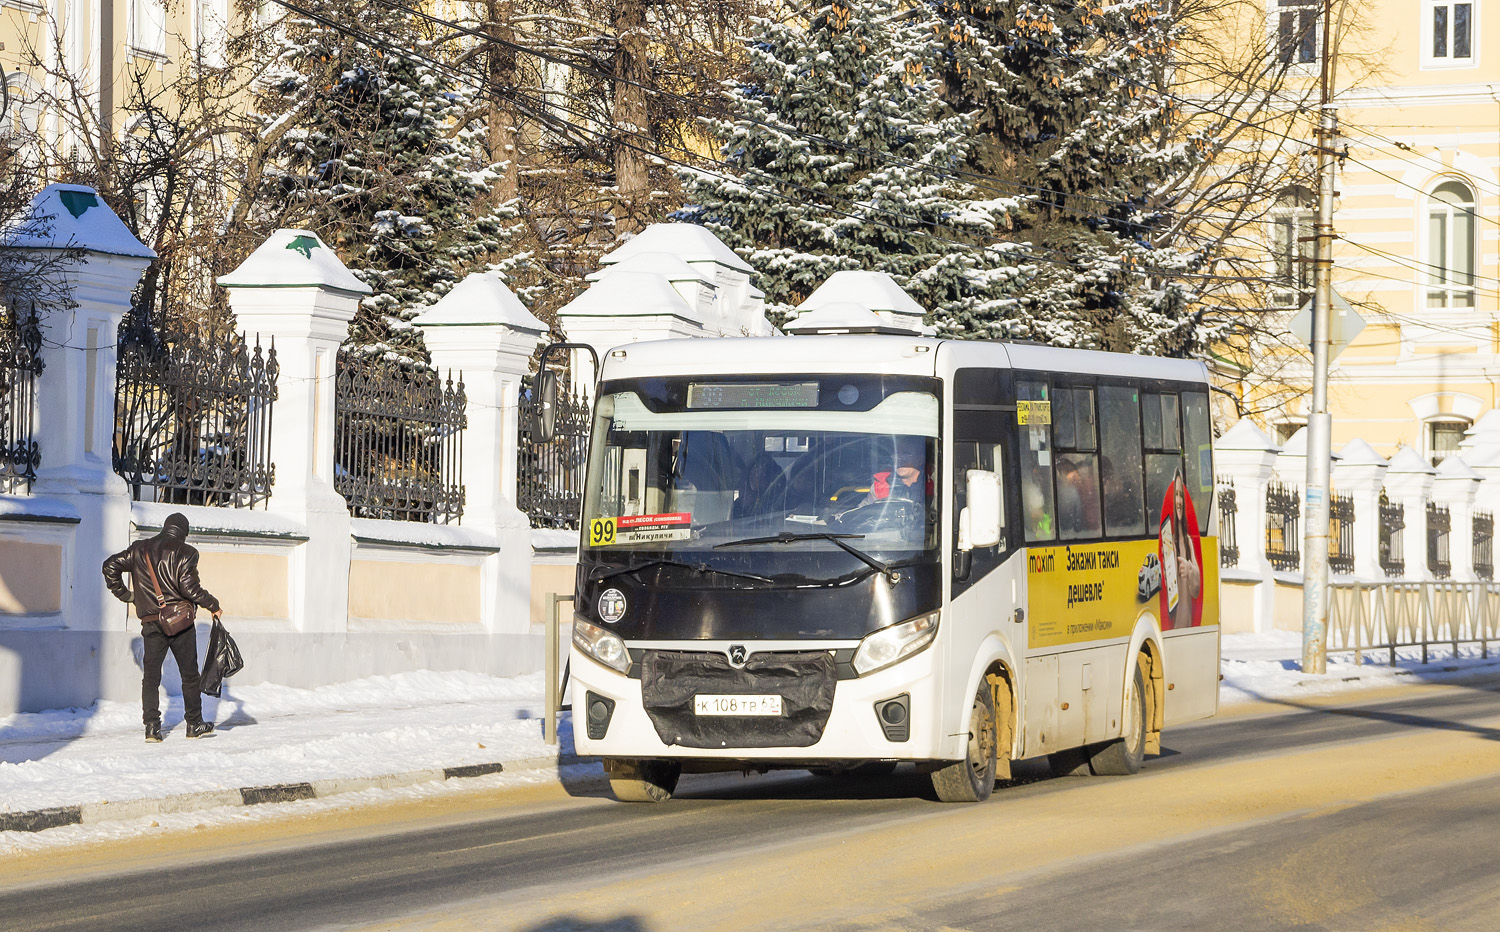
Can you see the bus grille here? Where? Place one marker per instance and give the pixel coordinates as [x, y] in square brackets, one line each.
[804, 680]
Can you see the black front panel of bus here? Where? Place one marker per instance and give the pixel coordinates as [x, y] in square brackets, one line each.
[660, 604]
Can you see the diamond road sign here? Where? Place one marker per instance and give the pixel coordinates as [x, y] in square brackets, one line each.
[1345, 326]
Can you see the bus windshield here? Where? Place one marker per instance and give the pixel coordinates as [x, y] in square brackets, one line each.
[782, 467]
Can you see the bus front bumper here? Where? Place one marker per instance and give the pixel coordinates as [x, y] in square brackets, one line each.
[854, 730]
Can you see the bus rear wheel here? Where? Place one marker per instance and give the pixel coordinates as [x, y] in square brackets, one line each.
[972, 779]
[642, 781]
[1124, 756]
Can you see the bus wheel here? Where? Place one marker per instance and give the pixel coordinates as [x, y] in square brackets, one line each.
[642, 781]
[1124, 756]
[972, 779]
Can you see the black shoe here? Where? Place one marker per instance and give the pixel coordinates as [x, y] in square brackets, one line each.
[201, 730]
[153, 732]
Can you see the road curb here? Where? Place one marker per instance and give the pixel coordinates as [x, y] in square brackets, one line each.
[37, 820]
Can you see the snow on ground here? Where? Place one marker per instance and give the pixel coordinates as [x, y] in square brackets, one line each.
[272, 734]
[427, 721]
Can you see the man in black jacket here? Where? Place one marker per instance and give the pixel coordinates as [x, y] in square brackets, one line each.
[176, 566]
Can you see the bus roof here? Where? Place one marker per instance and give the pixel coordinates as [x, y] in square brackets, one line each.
[894, 354]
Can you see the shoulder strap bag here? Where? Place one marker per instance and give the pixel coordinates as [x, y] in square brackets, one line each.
[176, 617]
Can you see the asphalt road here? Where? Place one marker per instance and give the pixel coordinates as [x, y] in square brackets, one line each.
[1380, 815]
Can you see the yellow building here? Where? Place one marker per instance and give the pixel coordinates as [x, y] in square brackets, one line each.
[1417, 216]
[85, 51]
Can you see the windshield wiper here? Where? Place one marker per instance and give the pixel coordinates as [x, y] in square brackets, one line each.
[838, 539]
[699, 568]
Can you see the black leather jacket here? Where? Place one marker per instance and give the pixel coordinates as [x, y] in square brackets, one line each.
[176, 569]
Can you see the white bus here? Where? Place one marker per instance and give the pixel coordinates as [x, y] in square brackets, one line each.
[830, 552]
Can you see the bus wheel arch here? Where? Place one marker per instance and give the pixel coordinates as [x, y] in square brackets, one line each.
[1149, 659]
[1003, 692]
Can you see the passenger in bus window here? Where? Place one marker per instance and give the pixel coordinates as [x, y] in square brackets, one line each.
[759, 477]
[1077, 496]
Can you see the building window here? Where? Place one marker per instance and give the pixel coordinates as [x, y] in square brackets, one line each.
[1450, 246]
[1285, 430]
[1443, 438]
[19, 122]
[1292, 247]
[212, 31]
[148, 27]
[1296, 23]
[1452, 30]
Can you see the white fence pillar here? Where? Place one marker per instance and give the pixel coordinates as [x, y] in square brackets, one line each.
[1360, 474]
[294, 290]
[483, 331]
[1455, 488]
[1247, 457]
[75, 394]
[1408, 482]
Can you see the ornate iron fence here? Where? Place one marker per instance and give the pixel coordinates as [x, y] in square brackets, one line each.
[193, 417]
[1229, 547]
[1341, 533]
[549, 476]
[1439, 522]
[1283, 511]
[1484, 545]
[1392, 523]
[20, 365]
[398, 441]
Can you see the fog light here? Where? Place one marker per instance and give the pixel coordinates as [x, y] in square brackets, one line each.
[894, 715]
[600, 710]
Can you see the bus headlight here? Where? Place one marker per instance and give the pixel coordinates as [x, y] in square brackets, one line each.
[888, 645]
[601, 645]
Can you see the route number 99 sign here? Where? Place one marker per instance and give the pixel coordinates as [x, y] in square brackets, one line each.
[601, 532]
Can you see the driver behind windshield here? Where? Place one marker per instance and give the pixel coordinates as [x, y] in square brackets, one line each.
[908, 477]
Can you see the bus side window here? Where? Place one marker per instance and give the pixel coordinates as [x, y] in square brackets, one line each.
[1076, 464]
[1198, 459]
[1163, 449]
[1120, 465]
[1037, 510]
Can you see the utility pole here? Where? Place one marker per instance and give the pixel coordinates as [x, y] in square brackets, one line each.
[1319, 423]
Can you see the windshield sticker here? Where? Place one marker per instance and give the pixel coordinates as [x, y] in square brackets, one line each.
[636, 529]
[1033, 413]
[611, 606]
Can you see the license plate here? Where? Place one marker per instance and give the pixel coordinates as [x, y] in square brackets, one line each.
[737, 705]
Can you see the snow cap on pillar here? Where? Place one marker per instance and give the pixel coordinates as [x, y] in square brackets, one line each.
[688, 241]
[294, 259]
[1454, 467]
[481, 299]
[1357, 452]
[631, 294]
[1244, 435]
[73, 216]
[875, 291]
[1407, 460]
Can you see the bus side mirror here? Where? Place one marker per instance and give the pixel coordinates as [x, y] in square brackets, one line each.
[980, 522]
[544, 409]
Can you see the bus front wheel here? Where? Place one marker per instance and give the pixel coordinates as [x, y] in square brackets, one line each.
[972, 779]
[1125, 755]
[642, 781]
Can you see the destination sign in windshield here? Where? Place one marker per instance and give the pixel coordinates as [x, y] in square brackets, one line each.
[752, 395]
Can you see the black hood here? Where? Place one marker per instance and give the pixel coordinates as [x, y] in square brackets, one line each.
[175, 527]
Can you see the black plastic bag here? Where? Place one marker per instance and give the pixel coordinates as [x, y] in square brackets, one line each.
[222, 662]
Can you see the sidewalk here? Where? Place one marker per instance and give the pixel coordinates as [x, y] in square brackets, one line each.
[273, 744]
[277, 744]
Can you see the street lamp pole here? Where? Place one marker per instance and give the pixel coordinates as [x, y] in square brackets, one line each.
[1319, 422]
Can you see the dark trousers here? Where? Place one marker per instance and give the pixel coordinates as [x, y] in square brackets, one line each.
[184, 647]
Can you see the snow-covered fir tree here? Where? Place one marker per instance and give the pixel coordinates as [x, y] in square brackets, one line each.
[839, 157]
[383, 157]
[1071, 112]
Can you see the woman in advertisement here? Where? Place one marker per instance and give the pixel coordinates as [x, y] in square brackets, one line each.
[1181, 553]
